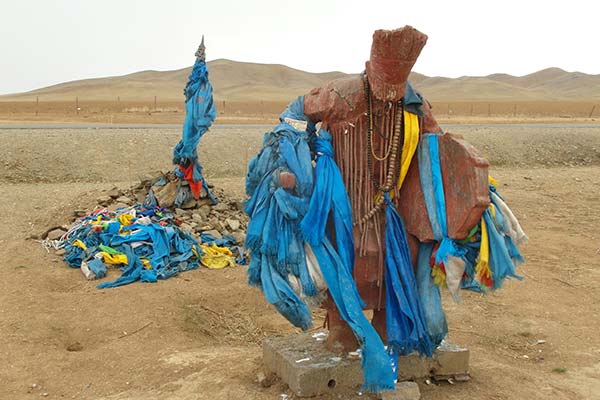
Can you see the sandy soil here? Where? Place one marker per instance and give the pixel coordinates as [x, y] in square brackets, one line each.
[198, 335]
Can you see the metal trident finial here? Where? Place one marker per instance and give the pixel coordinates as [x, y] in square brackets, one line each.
[200, 54]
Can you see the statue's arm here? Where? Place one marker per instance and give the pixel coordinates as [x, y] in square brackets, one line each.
[315, 104]
[428, 122]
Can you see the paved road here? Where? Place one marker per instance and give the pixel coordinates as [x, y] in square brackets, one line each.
[237, 126]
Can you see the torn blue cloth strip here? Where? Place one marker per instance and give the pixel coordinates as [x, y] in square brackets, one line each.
[435, 201]
[405, 317]
[272, 236]
[377, 368]
[329, 196]
[430, 296]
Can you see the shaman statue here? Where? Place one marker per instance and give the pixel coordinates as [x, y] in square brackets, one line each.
[378, 208]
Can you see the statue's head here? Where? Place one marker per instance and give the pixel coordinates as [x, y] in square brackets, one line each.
[393, 54]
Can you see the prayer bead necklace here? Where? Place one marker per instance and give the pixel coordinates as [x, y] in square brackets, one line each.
[392, 152]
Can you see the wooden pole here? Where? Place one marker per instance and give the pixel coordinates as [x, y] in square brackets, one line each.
[515, 111]
[591, 112]
[489, 109]
[154, 103]
[37, 103]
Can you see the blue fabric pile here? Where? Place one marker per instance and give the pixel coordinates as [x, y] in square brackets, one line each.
[145, 243]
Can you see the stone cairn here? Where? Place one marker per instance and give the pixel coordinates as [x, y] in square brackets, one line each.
[227, 217]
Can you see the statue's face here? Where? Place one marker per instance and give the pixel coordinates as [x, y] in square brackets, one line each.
[393, 53]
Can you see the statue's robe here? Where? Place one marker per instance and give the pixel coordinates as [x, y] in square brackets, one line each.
[342, 109]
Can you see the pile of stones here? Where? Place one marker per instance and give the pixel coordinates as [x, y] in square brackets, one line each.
[227, 217]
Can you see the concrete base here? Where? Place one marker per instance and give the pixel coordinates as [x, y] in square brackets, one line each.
[309, 369]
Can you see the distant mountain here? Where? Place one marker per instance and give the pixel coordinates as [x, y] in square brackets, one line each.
[242, 81]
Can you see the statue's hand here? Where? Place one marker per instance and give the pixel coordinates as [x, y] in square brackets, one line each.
[287, 180]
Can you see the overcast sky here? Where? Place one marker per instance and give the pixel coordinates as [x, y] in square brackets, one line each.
[47, 42]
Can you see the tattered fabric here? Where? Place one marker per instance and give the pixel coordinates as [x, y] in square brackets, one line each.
[200, 113]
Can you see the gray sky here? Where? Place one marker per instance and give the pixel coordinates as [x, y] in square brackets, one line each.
[47, 42]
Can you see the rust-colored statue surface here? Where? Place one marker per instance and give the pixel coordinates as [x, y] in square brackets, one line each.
[364, 115]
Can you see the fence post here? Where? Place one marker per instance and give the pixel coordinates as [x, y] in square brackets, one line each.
[77, 104]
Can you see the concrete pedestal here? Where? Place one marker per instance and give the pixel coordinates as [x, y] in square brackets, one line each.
[309, 369]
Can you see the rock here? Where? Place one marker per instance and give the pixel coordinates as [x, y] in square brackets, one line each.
[204, 202]
[150, 177]
[191, 203]
[240, 237]
[197, 218]
[115, 192]
[205, 228]
[79, 213]
[124, 199]
[181, 213]
[238, 205]
[221, 207]
[404, 391]
[233, 224]
[104, 200]
[165, 195]
[265, 380]
[116, 206]
[60, 252]
[186, 227]
[76, 346]
[214, 233]
[140, 197]
[55, 234]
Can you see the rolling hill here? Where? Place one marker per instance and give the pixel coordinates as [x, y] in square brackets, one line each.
[242, 81]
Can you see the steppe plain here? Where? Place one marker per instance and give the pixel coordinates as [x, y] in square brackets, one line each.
[198, 335]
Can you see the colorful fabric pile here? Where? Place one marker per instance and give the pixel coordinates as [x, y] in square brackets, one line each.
[145, 243]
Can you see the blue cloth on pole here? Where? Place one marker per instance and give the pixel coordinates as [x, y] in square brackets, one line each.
[200, 114]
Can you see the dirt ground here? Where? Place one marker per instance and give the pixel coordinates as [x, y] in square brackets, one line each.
[197, 335]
